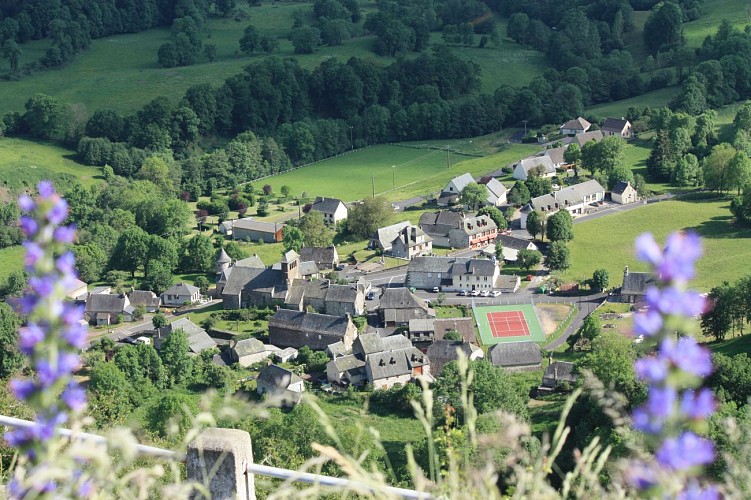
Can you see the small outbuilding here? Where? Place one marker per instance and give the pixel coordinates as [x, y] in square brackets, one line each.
[516, 356]
[559, 372]
[280, 384]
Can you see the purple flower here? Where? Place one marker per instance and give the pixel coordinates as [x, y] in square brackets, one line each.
[698, 405]
[28, 225]
[681, 252]
[27, 304]
[651, 369]
[647, 323]
[29, 336]
[661, 401]
[647, 249]
[72, 314]
[645, 422]
[45, 188]
[18, 437]
[25, 203]
[66, 263]
[65, 234]
[640, 475]
[695, 492]
[22, 388]
[58, 213]
[85, 489]
[46, 373]
[76, 335]
[67, 362]
[74, 396]
[33, 253]
[687, 355]
[43, 285]
[686, 451]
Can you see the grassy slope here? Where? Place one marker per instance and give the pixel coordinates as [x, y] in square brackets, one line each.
[23, 163]
[11, 260]
[608, 242]
[738, 12]
[121, 72]
[417, 172]
[653, 99]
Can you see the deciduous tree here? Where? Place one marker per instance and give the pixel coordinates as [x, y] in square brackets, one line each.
[527, 259]
[560, 226]
[365, 218]
[315, 231]
[559, 256]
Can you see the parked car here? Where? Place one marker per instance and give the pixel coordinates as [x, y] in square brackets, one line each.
[341, 267]
[428, 301]
[371, 295]
[128, 340]
[464, 293]
[474, 293]
[436, 289]
[485, 293]
[143, 340]
[495, 293]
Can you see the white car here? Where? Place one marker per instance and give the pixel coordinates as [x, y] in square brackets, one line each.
[495, 293]
[474, 293]
[464, 293]
[485, 293]
[436, 289]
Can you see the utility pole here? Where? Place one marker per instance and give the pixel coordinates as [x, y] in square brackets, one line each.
[525, 126]
[372, 178]
[393, 176]
[351, 142]
[448, 157]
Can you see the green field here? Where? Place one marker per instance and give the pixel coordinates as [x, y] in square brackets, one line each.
[654, 99]
[24, 163]
[608, 242]
[738, 12]
[416, 172]
[11, 260]
[486, 335]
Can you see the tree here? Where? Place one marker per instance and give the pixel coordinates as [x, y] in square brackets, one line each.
[172, 408]
[269, 44]
[716, 167]
[739, 171]
[518, 195]
[251, 40]
[293, 238]
[158, 277]
[315, 231]
[527, 259]
[559, 256]
[159, 320]
[535, 223]
[111, 393]
[538, 186]
[612, 361]
[491, 387]
[177, 362]
[560, 226]
[130, 250]
[199, 255]
[600, 279]
[499, 249]
[718, 320]
[305, 39]
[591, 328]
[91, 261]
[44, 117]
[11, 359]
[203, 283]
[495, 215]
[365, 218]
[473, 195]
[663, 29]
[687, 171]
[572, 154]
[285, 191]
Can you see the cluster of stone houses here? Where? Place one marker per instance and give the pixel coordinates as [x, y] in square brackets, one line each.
[451, 229]
[495, 191]
[459, 274]
[611, 126]
[575, 199]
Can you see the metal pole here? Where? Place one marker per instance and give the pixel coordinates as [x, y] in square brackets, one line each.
[393, 176]
[448, 158]
[351, 142]
[372, 178]
[525, 126]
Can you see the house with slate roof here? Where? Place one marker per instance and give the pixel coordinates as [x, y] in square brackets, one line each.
[104, 308]
[223, 261]
[259, 287]
[248, 229]
[411, 242]
[558, 373]
[542, 165]
[475, 232]
[442, 352]
[624, 193]
[399, 305]
[438, 225]
[280, 385]
[346, 369]
[325, 258]
[574, 199]
[620, 127]
[248, 352]
[556, 157]
[222, 277]
[333, 210]
[296, 329]
[576, 126]
[383, 237]
[582, 139]
[452, 273]
[496, 191]
[635, 286]
[77, 290]
[146, 298]
[198, 339]
[512, 245]
[516, 356]
[321, 295]
[180, 294]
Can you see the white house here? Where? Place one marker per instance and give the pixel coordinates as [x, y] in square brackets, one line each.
[542, 164]
[496, 192]
[180, 294]
[280, 384]
[624, 193]
[620, 127]
[576, 126]
[556, 156]
[573, 198]
[333, 210]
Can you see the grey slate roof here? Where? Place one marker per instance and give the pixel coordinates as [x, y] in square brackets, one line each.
[386, 235]
[248, 278]
[511, 242]
[560, 371]
[441, 352]
[582, 139]
[401, 298]
[347, 363]
[320, 289]
[368, 343]
[262, 227]
[290, 256]
[528, 164]
[181, 289]
[636, 283]
[431, 264]
[479, 267]
[405, 236]
[277, 376]
[464, 326]
[337, 349]
[318, 255]
[515, 354]
[223, 258]
[254, 262]
[421, 325]
[479, 224]
[249, 346]
[587, 188]
[395, 342]
[440, 223]
[556, 155]
[577, 124]
[198, 339]
[326, 205]
[619, 187]
[495, 189]
[105, 302]
[308, 268]
[461, 181]
[309, 322]
[614, 125]
[144, 298]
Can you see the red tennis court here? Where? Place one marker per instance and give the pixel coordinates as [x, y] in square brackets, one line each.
[508, 324]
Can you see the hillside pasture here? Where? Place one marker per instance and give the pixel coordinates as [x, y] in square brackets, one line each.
[11, 260]
[738, 12]
[608, 242]
[417, 172]
[23, 163]
[653, 99]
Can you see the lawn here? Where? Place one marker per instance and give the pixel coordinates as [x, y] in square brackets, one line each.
[24, 163]
[608, 242]
[11, 260]
[733, 346]
[738, 12]
[397, 172]
[654, 99]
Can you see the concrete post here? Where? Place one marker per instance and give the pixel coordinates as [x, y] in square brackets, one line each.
[218, 459]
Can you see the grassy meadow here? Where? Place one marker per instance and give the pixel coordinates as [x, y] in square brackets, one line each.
[608, 242]
[11, 260]
[738, 12]
[653, 99]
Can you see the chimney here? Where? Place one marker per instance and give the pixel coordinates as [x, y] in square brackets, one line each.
[232, 343]
[625, 271]
[414, 233]
[555, 373]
